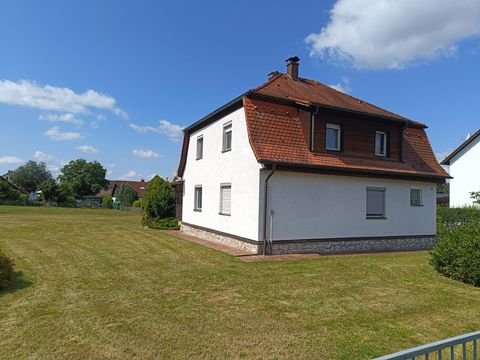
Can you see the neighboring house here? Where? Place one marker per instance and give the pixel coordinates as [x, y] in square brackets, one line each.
[113, 185]
[300, 167]
[464, 163]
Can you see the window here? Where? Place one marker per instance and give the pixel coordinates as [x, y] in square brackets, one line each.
[333, 137]
[227, 137]
[200, 147]
[376, 203]
[416, 197]
[225, 199]
[380, 143]
[198, 198]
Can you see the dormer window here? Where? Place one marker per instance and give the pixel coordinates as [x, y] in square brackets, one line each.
[200, 147]
[380, 143]
[333, 137]
[227, 137]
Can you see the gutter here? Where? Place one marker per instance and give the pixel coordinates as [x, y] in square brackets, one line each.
[312, 127]
[265, 208]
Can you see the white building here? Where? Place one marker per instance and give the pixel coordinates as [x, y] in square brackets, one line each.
[464, 164]
[296, 166]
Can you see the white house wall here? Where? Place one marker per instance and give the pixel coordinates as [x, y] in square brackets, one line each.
[238, 167]
[313, 206]
[465, 170]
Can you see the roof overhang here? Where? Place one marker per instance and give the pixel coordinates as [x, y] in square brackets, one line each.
[455, 152]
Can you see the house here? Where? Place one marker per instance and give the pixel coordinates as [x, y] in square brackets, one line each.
[296, 166]
[113, 185]
[464, 163]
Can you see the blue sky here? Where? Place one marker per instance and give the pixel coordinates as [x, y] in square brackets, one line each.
[115, 81]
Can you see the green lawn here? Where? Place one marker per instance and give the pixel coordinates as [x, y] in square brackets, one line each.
[94, 284]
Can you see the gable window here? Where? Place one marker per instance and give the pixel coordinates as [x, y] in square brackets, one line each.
[416, 197]
[197, 206]
[200, 147]
[225, 199]
[375, 203]
[227, 137]
[380, 143]
[333, 137]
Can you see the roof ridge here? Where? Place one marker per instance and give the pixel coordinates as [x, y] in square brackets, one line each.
[268, 82]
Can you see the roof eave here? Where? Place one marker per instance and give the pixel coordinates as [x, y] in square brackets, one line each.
[455, 152]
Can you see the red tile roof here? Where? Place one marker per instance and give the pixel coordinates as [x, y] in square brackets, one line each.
[276, 136]
[308, 92]
[138, 186]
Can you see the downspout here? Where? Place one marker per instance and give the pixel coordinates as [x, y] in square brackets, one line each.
[312, 127]
[265, 209]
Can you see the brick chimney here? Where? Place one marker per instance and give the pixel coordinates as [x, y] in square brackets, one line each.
[292, 67]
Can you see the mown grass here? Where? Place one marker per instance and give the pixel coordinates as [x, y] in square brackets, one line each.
[95, 284]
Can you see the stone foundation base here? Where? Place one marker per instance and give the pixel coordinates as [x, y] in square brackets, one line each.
[322, 246]
[220, 238]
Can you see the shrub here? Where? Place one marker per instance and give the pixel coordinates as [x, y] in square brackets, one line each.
[158, 202]
[7, 192]
[7, 276]
[170, 223]
[107, 202]
[126, 195]
[457, 252]
[137, 203]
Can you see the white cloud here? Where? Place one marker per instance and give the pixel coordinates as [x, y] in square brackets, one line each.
[67, 118]
[343, 86]
[55, 134]
[41, 156]
[145, 153]
[47, 97]
[10, 160]
[394, 34]
[173, 131]
[87, 149]
[131, 175]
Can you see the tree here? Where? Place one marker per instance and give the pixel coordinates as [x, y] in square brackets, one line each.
[27, 177]
[50, 190]
[158, 201]
[126, 195]
[475, 195]
[7, 192]
[82, 177]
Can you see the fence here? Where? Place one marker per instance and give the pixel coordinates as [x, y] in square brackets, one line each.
[463, 347]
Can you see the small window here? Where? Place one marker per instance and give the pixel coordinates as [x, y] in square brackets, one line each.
[416, 197]
[198, 198]
[200, 147]
[380, 143]
[227, 137]
[376, 203]
[225, 199]
[333, 136]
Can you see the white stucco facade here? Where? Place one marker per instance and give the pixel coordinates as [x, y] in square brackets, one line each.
[465, 170]
[315, 206]
[237, 167]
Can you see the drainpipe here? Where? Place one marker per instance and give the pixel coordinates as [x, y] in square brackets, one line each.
[265, 209]
[312, 127]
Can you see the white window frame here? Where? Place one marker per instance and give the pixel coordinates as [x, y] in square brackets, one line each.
[416, 201]
[222, 211]
[197, 205]
[339, 136]
[200, 153]
[227, 129]
[383, 150]
[382, 214]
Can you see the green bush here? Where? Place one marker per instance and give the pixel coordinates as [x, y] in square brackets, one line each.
[7, 275]
[170, 223]
[7, 192]
[158, 201]
[137, 203]
[107, 202]
[457, 252]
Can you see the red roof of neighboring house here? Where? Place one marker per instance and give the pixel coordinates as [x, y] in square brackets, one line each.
[276, 136]
[455, 152]
[138, 186]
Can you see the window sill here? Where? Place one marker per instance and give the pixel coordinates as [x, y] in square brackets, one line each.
[199, 158]
[223, 214]
[197, 210]
[376, 218]
[226, 150]
[416, 205]
[333, 150]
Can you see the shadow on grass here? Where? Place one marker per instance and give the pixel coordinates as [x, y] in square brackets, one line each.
[19, 284]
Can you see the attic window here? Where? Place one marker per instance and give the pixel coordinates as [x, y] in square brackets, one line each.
[227, 137]
[380, 143]
[333, 137]
[200, 147]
